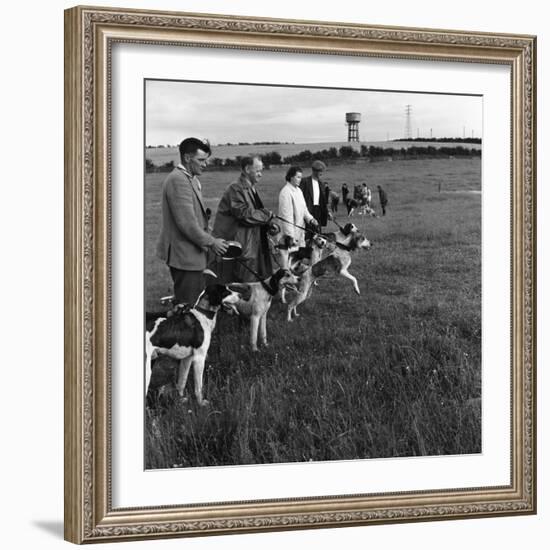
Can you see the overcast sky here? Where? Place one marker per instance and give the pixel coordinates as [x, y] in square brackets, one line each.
[234, 113]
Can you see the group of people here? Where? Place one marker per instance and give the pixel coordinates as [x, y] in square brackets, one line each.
[188, 247]
[362, 196]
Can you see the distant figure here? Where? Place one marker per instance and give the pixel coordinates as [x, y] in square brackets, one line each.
[334, 199]
[383, 199]
[345, 193]
[367, 195]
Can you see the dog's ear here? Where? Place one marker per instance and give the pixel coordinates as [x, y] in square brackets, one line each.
[215, 294]
[241, 288]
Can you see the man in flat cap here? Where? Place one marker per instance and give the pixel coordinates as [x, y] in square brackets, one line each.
[314, 193]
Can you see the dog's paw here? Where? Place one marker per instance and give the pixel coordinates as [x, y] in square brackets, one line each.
[204, 403]
[357, 291]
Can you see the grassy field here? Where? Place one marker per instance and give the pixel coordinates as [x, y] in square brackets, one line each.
[393, 372]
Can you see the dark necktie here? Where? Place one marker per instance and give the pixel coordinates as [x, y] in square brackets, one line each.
[257, 201]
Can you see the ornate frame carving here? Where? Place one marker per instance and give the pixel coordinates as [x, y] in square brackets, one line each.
[89, 34]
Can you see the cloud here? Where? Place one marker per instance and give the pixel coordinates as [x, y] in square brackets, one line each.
[236, 112]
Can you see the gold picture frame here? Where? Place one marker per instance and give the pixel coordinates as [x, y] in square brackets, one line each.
[89, 36]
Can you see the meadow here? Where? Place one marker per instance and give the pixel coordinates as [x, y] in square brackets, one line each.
[394, 372]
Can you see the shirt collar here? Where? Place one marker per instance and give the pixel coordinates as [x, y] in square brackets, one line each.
[184, 170]
[190, 176]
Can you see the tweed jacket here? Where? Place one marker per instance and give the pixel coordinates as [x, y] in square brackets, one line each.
[184, 234]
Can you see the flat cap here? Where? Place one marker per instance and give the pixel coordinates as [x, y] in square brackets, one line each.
[318, 165]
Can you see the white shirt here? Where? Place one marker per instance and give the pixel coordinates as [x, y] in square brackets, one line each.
[292, 207]
[315, 188]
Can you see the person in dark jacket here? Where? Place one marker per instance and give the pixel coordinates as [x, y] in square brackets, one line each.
[314, 193]
[241, 217]
[383, 199]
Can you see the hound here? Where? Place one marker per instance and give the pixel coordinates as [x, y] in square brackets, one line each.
[311, 253]
[343, 233]
[367, 210]
[256, 300]
[185, 335]
[286, 246]
[337, 261]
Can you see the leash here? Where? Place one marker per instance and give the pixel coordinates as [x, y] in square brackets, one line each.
[343, 247]
[298, 226]
[274, 256]
[268, 289]
[317, 232]
[337, 224]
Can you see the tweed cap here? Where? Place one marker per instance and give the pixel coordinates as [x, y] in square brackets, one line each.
[318, 165]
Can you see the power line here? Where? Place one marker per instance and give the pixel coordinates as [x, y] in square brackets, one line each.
[408, 127]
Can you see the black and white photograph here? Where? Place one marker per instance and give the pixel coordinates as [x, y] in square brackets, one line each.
[312, 274]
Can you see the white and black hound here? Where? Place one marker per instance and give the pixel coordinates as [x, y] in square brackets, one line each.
[286, 246]
[185, 336]
[338, 261]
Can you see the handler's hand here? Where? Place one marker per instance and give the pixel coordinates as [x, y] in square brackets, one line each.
[314, 222]
[219, 246]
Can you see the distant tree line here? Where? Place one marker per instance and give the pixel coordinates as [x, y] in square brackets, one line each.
[344, 153]
[450, 140]
[258, 143]
[347, 152]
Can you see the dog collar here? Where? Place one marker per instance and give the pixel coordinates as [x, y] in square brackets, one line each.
[343, 247]
[270, 288]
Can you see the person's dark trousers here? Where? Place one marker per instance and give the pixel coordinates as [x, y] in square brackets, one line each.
[187, 285]
[316, 212]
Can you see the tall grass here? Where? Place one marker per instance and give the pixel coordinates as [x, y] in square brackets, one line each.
[393, 372]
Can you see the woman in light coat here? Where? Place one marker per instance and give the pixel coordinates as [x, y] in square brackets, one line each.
[292, 207]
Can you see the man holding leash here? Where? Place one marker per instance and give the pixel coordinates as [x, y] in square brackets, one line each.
[241, 217]
[184, 239]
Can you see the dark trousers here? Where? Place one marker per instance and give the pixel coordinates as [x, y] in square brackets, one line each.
[187, 285]
[317, 212]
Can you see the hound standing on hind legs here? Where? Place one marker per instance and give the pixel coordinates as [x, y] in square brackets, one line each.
[337, 261]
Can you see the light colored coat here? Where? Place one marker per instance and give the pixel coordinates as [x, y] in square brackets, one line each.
[184, 236]
[292, 207]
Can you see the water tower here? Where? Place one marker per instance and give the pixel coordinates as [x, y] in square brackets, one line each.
[353, 120]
